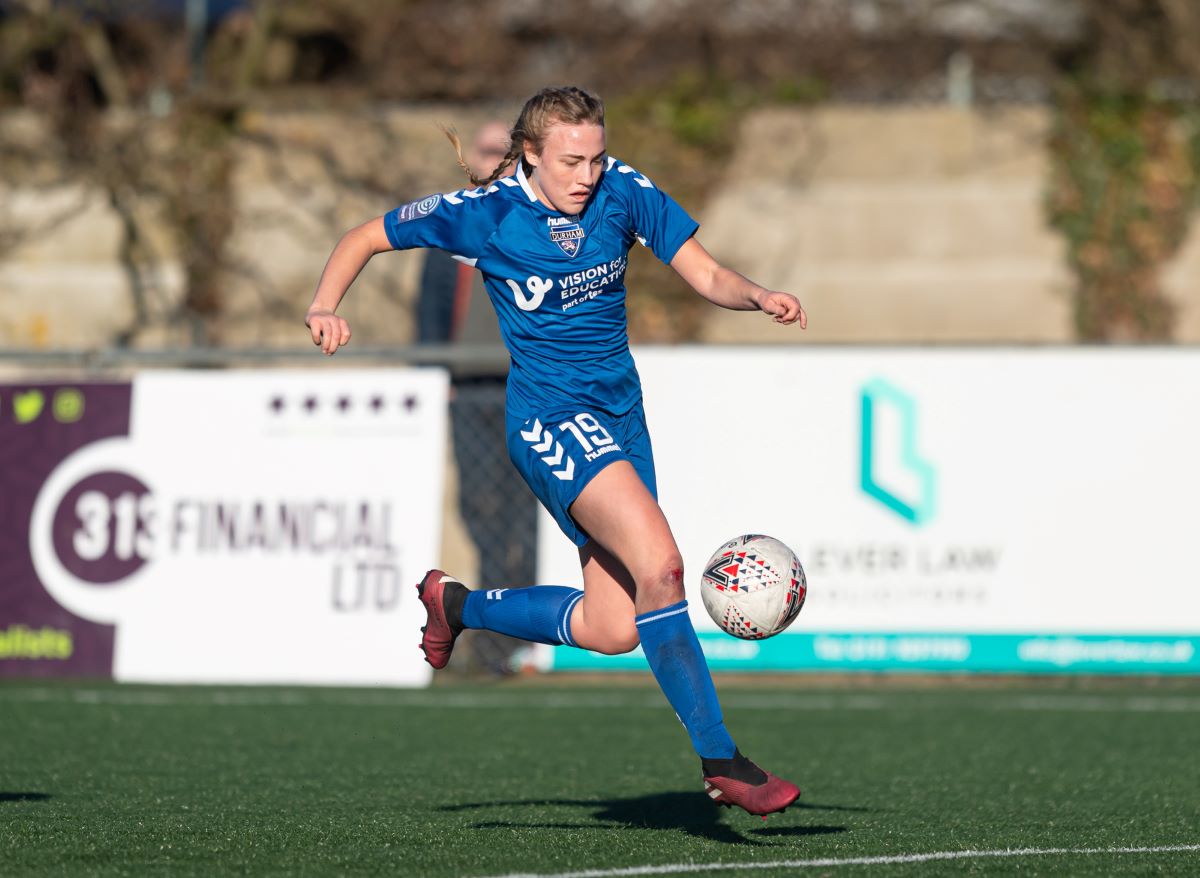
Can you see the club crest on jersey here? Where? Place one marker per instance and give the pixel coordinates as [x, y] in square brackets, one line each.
[566, 233]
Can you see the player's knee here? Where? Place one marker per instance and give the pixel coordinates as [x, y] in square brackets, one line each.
[662, 585]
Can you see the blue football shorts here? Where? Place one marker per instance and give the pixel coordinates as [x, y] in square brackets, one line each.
[559, 452]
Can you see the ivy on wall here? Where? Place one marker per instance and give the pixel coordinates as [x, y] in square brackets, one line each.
[1124, 180]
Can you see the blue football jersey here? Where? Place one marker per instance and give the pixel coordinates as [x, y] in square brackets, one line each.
[557, 281]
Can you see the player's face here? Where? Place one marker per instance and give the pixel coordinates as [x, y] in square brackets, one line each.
[569, 166]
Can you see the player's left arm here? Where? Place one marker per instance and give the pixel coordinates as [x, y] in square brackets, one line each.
[725, 287]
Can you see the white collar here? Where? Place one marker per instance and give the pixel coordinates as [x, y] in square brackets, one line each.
[524, 181]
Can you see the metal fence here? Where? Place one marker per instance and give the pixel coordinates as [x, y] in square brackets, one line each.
[497, 511]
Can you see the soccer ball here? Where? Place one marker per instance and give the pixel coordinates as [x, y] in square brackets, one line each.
[753, 587]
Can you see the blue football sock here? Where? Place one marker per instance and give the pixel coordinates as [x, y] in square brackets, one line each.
[673, 651]
[541, 613]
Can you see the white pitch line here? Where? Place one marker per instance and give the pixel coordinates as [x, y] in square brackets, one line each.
[1099, 703]
[317, 698]
[683, 868]
[526, 699]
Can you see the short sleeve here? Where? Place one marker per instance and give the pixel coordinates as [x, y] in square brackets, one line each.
[658, 220]
[460, 225]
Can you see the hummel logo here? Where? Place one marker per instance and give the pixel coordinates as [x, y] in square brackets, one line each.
[542, 441]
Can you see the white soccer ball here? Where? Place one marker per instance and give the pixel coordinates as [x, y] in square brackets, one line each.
[753, 587]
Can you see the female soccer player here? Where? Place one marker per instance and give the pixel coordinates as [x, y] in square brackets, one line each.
[552, 242]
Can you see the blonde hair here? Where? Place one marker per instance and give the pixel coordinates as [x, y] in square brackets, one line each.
[569, 105]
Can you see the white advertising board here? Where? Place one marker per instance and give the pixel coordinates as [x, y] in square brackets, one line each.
[957, 508]
[254, 527]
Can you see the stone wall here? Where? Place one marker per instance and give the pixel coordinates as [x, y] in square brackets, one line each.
[301, 181]
[909, 224]
[896, 225]
[891, 224]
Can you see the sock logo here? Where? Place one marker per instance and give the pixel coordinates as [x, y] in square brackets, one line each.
[891, 470]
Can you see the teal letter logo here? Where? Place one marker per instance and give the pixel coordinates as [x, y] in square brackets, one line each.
[891, 471]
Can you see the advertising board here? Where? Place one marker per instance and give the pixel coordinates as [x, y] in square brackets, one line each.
[956, 509]
[249, 527]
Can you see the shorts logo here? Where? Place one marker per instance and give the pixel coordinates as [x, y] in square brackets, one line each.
[590, 435]
[417, 209]
[542, 441]
[566, 234]
[537, 291]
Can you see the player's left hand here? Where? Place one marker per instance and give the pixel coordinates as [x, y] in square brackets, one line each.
[784, 308]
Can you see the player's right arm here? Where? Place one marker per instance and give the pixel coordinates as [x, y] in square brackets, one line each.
[352, 252]
[458, 225]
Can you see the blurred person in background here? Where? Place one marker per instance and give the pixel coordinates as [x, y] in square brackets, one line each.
[552, 242]
[451, 302]
[497, 508]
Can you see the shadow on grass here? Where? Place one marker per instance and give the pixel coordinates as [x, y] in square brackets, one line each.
[686, 812]
[24, 797]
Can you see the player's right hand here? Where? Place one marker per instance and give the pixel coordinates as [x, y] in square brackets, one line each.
[328, 330]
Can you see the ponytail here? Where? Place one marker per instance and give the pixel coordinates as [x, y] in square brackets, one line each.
[511, 156]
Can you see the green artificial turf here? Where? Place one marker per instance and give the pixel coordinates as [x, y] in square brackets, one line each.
[561, 778]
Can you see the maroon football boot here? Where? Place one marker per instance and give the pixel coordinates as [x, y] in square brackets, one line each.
[738, 781]
[443, 598]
